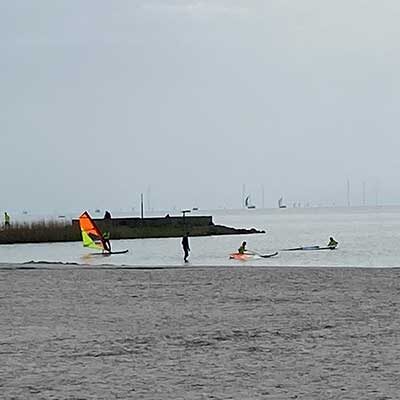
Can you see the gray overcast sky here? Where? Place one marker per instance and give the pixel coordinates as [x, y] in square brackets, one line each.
[101, 100]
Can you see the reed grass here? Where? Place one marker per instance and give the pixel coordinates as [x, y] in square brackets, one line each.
[39, 232]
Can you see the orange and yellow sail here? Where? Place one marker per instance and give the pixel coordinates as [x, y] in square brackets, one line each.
[91, 234]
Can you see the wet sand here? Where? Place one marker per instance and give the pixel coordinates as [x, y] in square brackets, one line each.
[200, 333]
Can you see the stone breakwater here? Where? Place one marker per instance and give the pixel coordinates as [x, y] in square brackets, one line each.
[133, 228]
[119, 228]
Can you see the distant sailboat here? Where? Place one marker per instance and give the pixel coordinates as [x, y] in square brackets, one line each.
[247, 203]
[280, 203]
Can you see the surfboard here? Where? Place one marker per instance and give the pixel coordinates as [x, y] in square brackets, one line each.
[110, 253]
[309, 248]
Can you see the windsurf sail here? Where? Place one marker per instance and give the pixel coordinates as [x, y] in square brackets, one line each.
[248, 204]
[91, 234]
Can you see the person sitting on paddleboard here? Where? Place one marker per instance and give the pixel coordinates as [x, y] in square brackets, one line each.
[107, 244]
[242, 248]
[332, 242]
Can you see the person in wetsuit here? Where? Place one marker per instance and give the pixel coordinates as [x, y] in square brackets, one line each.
[332, 243]
[107, 243]
[185, 246]
[242, 248]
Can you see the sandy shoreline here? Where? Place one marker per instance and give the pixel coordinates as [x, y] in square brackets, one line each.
[201, 333]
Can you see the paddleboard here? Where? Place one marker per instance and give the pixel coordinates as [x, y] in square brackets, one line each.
[309, 248]
[249, 256]
[242, 257]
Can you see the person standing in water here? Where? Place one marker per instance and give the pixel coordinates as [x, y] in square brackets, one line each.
[107, 243]
[185, 245]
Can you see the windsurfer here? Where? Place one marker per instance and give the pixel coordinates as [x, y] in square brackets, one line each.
[107, 243]
[332, 243]
[242, 248]
[185, 245]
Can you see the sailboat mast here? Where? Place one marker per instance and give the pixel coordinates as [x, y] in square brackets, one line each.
[348, 193]
[363, 192]
[263, 196]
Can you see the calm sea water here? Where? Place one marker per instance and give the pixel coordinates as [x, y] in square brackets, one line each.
[216, 329]
[368, 237]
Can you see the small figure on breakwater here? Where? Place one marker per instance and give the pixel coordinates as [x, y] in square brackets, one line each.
[185, 245]
[6, 220]
[107, 215]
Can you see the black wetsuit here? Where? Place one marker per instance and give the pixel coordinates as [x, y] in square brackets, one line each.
[186, 248]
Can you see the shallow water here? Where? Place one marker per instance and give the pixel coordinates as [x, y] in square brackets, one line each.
[200, 333]
[367, 237]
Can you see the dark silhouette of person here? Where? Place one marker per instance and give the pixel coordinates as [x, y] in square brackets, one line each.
[107, 243]
[185, 245]
[6, 220]
[107, 215]
[332, 243]
[242, 248]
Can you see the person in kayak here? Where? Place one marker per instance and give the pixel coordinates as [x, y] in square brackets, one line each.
[185, 246]
[242, 248]
[332, 243]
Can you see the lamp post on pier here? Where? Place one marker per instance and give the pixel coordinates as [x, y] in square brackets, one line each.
[184, 212]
